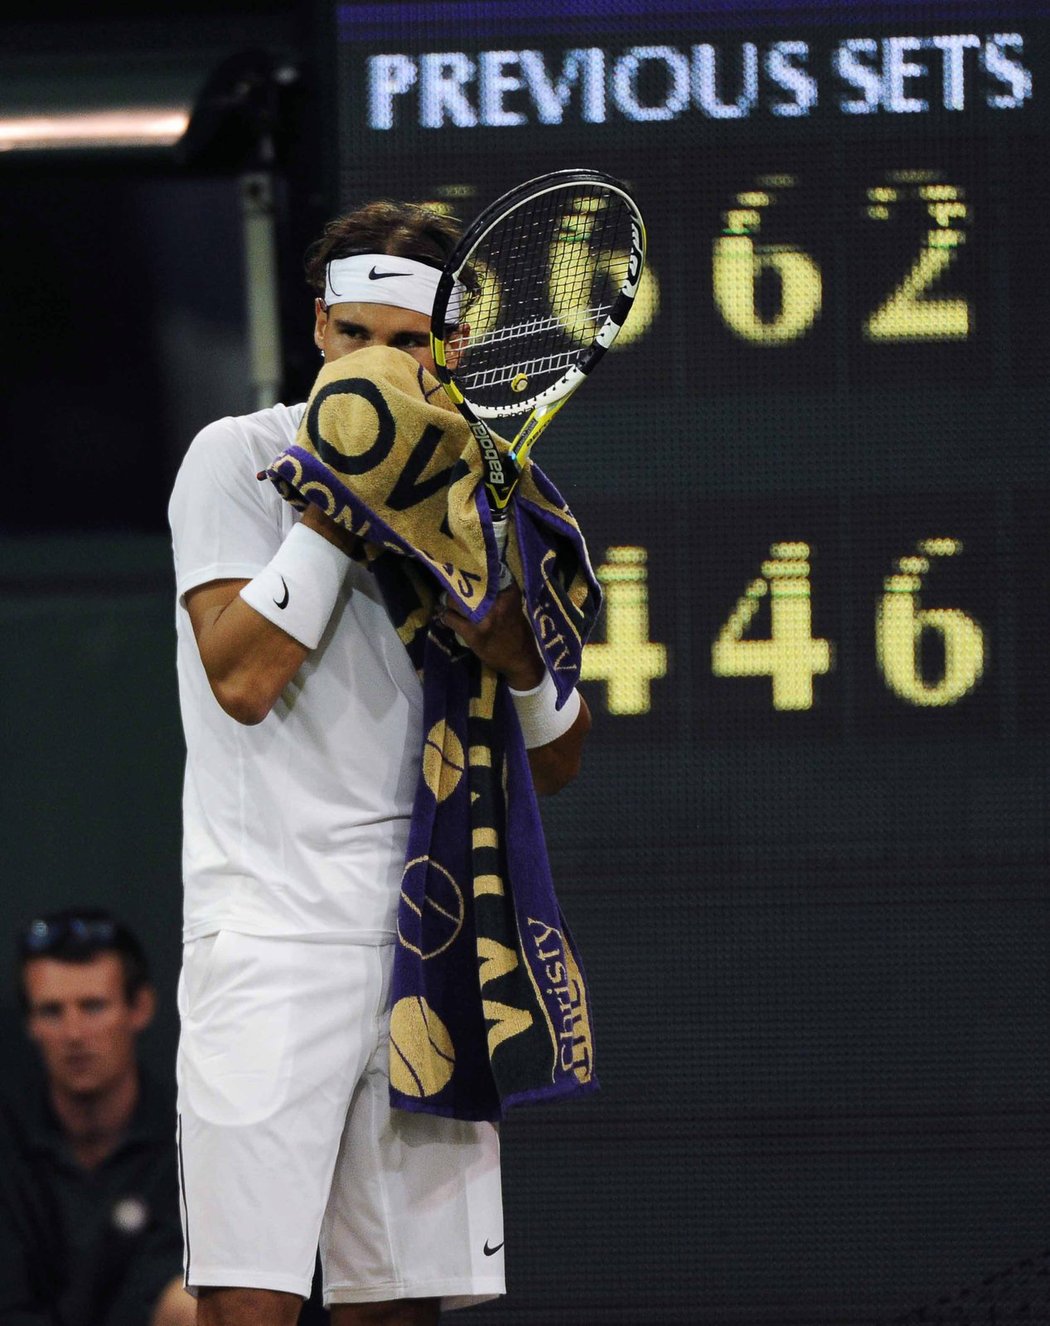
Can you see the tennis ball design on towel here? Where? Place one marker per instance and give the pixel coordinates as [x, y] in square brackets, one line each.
[433, 911]
[422, 1054]
[443, 760]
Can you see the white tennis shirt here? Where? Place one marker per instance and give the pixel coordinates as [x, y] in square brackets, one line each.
[298, 825]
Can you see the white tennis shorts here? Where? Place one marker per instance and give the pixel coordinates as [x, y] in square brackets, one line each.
[288, 1144]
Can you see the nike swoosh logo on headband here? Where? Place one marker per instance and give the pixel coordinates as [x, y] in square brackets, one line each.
[373, 275]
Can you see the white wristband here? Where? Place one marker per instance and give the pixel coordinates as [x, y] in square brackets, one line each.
[540, 721]
[298, 588]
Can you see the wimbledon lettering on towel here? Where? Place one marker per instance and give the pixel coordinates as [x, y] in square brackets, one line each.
[507, 1000]
[407, 485]
[540, 1011]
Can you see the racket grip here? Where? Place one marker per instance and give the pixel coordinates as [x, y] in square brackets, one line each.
[499, 529]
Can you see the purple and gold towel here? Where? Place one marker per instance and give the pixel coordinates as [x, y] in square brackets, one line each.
[489, 1006]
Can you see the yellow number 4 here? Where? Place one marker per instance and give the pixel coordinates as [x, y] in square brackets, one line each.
[628, 661]
[791, 657]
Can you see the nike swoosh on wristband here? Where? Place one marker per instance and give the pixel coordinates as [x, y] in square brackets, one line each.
[491, 1252]
[373, 275]
[283, 603]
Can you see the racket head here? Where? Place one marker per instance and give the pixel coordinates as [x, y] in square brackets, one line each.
[543, 280]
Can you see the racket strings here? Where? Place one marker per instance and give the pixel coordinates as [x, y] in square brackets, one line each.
[531, 368]
[536, 327]
[552, 271]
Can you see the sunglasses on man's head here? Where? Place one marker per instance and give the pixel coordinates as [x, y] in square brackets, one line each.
[46, 934]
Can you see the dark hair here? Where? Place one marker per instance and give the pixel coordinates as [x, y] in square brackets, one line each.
[403, 230]
[78, 934]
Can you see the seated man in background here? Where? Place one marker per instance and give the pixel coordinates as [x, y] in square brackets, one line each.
[89, 1218]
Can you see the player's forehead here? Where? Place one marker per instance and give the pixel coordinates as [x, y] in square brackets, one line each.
[385, 318]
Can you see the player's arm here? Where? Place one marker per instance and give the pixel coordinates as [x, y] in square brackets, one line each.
[248, 658]
[557, 763]
[504, 640]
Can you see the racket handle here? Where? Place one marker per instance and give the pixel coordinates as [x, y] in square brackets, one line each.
[499, 529]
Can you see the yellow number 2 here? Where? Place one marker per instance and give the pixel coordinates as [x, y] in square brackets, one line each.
[913, 311]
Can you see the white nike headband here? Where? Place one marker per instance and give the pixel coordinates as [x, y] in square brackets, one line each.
[381, 278]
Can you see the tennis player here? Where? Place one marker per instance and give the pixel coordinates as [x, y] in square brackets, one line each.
[302, 718]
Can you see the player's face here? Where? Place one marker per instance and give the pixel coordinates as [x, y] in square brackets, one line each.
[81, 1022]
[342, 328]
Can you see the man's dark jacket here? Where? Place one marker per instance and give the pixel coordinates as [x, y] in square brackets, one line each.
[78, 1247]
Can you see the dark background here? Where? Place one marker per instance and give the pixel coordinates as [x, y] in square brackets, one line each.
[817, 939]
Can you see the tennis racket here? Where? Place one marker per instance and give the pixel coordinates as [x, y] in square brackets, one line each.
[532, 297]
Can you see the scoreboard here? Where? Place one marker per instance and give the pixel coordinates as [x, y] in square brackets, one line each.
[806, 862]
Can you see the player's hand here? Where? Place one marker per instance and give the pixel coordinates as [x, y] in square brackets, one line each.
[314, 518]
[502, 639]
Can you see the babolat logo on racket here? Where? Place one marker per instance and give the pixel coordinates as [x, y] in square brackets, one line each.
[634, 263]
[490, 452]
